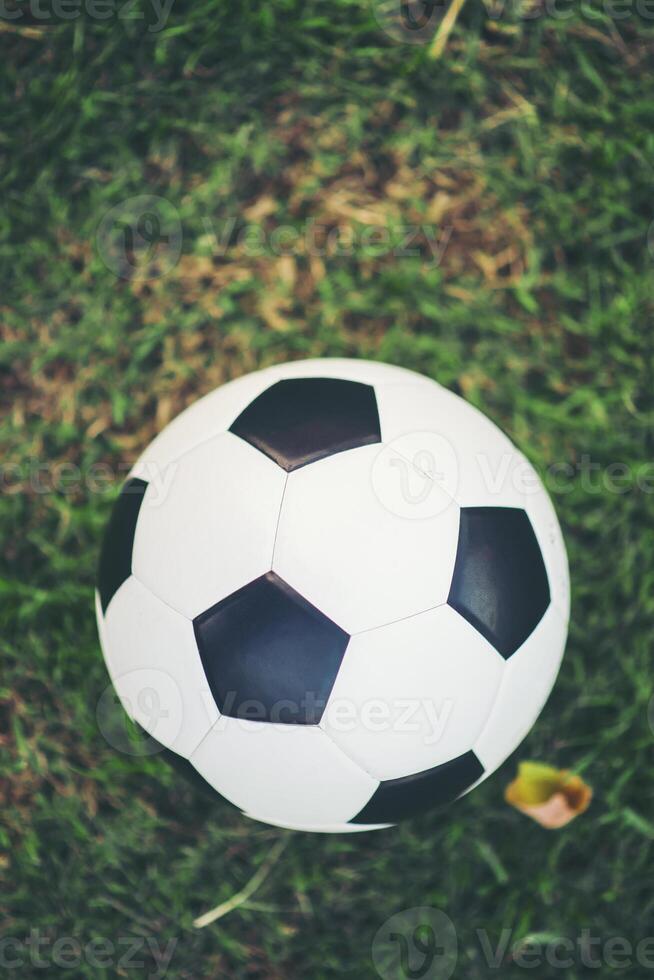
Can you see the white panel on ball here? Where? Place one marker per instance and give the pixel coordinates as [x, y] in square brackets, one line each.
[440, 432]
[212, 529]
[292, 775]
[347, 541]
[528, 678]
[207, 417]
[414, 694]
[153, 660]
[329, 828]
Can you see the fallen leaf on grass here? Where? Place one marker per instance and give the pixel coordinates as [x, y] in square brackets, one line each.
[552, 797]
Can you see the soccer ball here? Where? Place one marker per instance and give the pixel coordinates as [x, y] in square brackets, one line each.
[341, 587]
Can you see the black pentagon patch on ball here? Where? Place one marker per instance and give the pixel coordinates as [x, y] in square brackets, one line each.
[268, 654]
[399, 799]
[500, 583]
[301, 420]
[116, 555]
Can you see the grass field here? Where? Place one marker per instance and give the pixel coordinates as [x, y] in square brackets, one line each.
[524, 156]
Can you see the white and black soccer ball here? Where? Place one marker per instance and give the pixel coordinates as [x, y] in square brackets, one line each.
[344, 589]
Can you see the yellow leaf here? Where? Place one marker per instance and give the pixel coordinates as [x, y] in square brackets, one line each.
[552, 797]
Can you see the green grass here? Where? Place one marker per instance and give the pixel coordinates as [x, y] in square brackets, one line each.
[538, 135]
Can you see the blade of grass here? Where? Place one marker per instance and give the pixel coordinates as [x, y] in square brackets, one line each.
[447, 26]
[248, 891]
